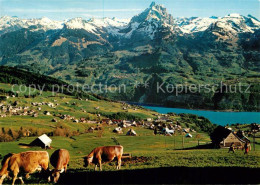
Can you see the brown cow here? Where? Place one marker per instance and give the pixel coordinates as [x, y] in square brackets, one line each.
[59, 160]
[104, 154]
[27, 162]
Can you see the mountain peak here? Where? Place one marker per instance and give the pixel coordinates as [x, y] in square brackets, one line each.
[154, 12]
[250, 16]
[152, 4]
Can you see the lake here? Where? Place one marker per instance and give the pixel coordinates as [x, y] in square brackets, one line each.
[220, 118]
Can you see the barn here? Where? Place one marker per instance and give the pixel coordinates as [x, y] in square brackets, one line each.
[232, 138]
[43, 141]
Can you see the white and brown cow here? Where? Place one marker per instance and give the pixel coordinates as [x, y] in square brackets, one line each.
[104, 154]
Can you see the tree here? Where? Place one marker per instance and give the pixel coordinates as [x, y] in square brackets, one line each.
[3, 130]
[198, 137]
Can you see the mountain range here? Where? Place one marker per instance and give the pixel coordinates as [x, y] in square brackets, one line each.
[151, 46]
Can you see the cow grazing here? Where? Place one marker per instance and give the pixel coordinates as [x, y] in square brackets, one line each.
[26, 162]
[59, 160]
[104, 154]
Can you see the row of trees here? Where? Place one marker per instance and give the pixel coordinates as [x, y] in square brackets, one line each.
[9, 134]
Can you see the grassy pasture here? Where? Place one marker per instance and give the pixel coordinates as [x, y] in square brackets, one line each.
[159, 150]
[153, 151]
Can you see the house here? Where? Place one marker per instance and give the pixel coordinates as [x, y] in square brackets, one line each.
[91, 129]
[118, 130]
[166, 130]
[54, 120]
[186, 130]
[232, 138]
[43, 141]
[134, 124]
[47, 113]
[131, 132]
[107, 121]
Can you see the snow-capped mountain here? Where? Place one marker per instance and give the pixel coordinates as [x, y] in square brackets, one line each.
[234, 23]
[194, 24]
[154, 29]
[149, 22]
[111, 26]
[9, 24]
[151, 44]
[79, 23]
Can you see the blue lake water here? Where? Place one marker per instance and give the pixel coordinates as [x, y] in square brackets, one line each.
[220, 118]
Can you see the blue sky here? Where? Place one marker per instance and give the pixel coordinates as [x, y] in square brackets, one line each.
[66, 9]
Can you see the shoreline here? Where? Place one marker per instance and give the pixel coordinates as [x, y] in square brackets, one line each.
[192, 109]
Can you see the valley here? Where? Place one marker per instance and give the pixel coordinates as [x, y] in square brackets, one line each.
[151, 47]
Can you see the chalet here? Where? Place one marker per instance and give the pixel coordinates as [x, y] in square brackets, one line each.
[134, 124]
[186, 130]
[166, 130]
[43, 141]
[75, 120]
[3, 116]
[54, 120]
[47, 113]
[131, 132]
[82, 120]
[233, 138]
[98, 127]
[118, 130]
[107, 121]
[116, 121]
[91, 122]
[149, 125]
[35, 115]
[91, 129]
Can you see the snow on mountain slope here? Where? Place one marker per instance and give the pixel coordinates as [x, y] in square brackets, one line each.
[113, 26]
[149, 21]
[79, 23]
[94, 25]
[9, 24]
[234, 23]
[108, 22]
[237, 23]
[45, 23]
[194, 24]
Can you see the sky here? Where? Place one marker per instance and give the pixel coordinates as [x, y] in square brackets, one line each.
[67, 9]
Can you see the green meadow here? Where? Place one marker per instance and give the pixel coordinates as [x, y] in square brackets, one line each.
[158, 151]
[147, 150]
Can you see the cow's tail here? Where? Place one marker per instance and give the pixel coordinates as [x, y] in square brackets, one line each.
[4, 169]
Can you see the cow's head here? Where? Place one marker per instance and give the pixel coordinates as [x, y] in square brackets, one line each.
[87, 160]
[54, 176]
